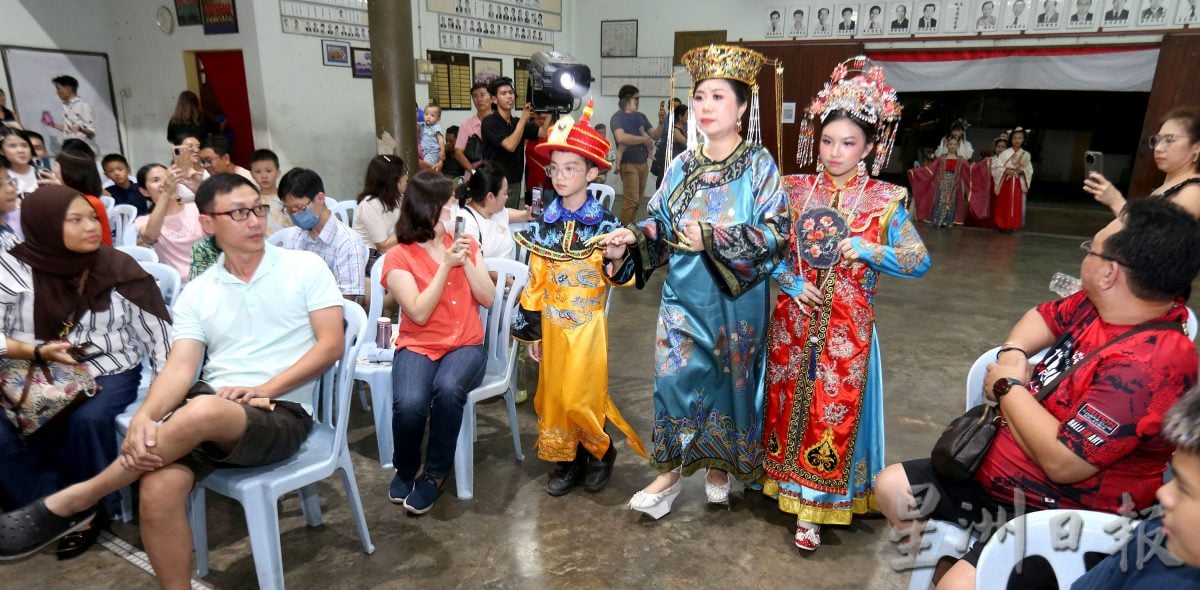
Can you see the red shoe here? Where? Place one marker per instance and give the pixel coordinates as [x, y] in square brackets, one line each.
[808, 539]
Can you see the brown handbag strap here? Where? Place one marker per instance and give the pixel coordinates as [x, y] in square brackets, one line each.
[1050, 387]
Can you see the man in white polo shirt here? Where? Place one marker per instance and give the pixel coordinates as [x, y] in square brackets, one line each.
[266, 323]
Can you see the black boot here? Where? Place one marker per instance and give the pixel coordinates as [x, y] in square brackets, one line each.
[599, 471]
[568, 475]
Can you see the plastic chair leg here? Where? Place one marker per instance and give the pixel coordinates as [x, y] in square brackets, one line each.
[362, 396]
[126, 504]
[310, 504]
[262, 520]
[464, 454]
[510, 401]
[356, 508]
[381, 404]
[198, 522]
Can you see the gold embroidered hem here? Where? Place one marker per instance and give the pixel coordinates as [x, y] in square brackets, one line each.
[840, 513]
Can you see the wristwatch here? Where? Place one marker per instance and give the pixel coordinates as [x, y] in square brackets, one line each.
[1002, 386]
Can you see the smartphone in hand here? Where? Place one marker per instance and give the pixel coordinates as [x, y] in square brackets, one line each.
[1093, 162]
[84, 352]
[460, 225]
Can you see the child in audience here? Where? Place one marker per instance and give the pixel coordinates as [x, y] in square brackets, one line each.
[432, 143]
[562, 314]
[123, 190]
[264, 167]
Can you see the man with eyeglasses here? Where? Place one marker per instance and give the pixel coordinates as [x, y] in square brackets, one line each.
[265, 323]
[214, 158]
[315, 229]
[1117, 359]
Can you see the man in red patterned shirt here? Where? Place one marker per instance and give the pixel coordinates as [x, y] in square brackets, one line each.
[1095, 441]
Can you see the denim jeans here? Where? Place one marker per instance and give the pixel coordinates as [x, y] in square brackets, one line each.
[435, 390]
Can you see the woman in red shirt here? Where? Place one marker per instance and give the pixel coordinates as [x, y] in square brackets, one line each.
[439, 282]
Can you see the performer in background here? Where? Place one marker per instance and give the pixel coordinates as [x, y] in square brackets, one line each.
[721, 223]
[1012, 170]
[823, 422]
[940, 188]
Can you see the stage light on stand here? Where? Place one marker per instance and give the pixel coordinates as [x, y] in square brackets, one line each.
[556, 80]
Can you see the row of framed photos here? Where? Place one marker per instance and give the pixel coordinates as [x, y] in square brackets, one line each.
[964, 17]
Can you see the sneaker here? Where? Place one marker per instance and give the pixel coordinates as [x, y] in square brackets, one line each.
[422, 497]
[399, 490]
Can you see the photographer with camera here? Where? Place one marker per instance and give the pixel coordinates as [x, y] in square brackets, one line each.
[504, 136]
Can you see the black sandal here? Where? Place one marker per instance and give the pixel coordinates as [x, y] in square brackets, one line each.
[77, 543]
[27, 530]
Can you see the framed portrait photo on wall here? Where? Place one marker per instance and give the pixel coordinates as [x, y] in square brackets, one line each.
[899, 23]
[797, 21]
[871, 21]
[987, 16]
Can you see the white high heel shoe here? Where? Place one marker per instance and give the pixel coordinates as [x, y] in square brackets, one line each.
[656, 505]
[717, 493]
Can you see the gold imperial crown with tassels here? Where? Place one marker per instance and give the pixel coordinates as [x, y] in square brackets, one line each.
[725, 62]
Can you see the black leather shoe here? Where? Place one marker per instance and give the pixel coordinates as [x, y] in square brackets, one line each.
[599, 471]
[568, 475]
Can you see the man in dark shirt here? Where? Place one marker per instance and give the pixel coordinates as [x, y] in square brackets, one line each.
[635, 135]
[1096, 440]
[504, 136]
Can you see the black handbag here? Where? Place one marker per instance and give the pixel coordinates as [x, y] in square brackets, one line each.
[965, 442]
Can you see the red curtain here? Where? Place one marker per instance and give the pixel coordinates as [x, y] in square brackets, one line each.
[226, 75]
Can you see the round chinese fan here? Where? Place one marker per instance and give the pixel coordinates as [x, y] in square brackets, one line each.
[818, 232]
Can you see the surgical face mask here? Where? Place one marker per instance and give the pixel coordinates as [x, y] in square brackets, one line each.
[305, 219]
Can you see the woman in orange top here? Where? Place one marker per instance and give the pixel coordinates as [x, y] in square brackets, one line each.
[439, 282]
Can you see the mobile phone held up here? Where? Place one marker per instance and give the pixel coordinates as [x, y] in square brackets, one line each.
[1093, 162]
[460, 225]
[84, 352]
[535, 202]
[44, 167]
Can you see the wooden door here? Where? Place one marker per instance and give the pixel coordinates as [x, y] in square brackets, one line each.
[806, 69]
[1174, 85]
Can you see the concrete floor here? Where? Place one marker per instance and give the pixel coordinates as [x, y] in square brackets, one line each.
[513, 535]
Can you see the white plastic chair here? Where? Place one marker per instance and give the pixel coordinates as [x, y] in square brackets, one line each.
[1041, 530]
[276, 239]
[945, 539]
[258, 489]
[108, 201]
[167, 278]
[501, 371]
[604, 193]
[140, 253]
[1191, 324]
[121, 217]
[978, 371]
[520, 254]
[377, 373]
[343, 210]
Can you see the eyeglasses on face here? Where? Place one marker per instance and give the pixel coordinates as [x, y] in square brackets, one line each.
[1165, 140]
[243, 214]
[1086, 248]
[568, 171]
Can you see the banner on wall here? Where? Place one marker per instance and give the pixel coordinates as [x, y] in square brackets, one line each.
[1106, 69]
